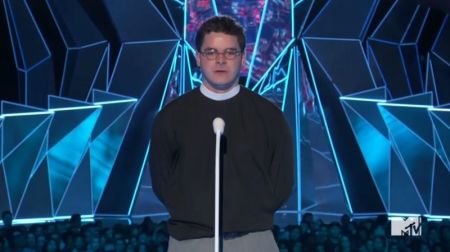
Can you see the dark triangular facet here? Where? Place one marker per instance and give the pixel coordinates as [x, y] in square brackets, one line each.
[36, 201]
[77, 198]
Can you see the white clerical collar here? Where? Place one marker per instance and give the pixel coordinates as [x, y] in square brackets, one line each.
[220, 96]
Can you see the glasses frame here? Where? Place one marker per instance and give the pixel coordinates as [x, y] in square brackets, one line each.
[229, 53]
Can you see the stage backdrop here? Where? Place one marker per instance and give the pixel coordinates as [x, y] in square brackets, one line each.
[364, 86]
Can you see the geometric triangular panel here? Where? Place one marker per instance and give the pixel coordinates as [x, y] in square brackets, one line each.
[375, 148]
[441, 195]
[77, 198]
[65, 156]
[403, 195]
[36, 200]
[19, 164]
[103, 152]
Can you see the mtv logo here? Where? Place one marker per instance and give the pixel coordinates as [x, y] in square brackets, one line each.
[406, 226]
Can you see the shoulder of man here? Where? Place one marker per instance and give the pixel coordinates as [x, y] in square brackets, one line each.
[262, 103]
[179, 102]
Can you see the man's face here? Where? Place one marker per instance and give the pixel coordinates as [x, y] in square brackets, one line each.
[220, 69]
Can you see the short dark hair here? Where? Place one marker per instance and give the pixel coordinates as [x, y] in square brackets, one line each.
[224, 24]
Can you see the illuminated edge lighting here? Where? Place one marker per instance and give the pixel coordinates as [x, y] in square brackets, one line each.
[174, 61]
[287, 81]
[84, 218]
[185, 18]
[298, 121]
[275, 62]
[430, 217]
[3, 116]
[386, 104]
[75, 108]
[149, 41]
[348, 98]
[114, 102]
[216, 11]
[138, 183]
[255, 49]
[344, 187]
[439, 109]
[292, 20]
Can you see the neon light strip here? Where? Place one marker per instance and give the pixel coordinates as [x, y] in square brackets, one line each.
[75, 108]
[115, 102]
[26, 114]
[346, 98]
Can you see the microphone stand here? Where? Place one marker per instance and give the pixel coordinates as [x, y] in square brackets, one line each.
[218, 125]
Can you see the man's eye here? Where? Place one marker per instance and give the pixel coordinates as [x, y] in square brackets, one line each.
[210, 53]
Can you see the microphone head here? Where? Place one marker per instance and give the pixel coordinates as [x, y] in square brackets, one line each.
[218, 125]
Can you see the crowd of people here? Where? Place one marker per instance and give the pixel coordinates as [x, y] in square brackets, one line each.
[311, 235]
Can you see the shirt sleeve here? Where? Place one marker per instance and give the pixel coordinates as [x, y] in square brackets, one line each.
[282, 163]
[162, 153]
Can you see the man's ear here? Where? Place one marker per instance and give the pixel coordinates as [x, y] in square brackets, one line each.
[243, 59]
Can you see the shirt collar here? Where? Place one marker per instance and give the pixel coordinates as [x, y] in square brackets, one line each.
[220, 96]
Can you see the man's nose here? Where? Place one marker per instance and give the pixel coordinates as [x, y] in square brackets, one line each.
[220, 58]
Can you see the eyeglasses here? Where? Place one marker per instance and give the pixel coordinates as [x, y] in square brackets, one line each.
[229, 54]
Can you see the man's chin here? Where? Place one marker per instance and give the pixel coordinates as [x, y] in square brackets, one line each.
[221, 87]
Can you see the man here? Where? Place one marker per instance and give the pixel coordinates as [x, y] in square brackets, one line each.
[258, 170]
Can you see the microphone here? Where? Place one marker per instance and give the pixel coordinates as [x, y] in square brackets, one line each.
[218, 125]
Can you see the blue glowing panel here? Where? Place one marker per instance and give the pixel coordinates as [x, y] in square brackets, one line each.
[441, 197]
[374, 145]
[66, 150]
[355, 177]
[36, 200]
[416, 154]
[128, 18]
[106, 143]
[19, 129]
[403, 194]
[441, 123]
[344, 62]
[78, 197]
[409, 116]
[338, 19]
[123, 184]
[18, 164]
